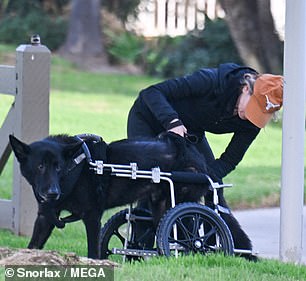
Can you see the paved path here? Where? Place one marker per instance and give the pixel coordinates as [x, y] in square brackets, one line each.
[263, 226]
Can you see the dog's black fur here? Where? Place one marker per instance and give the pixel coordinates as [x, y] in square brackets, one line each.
[59, 185]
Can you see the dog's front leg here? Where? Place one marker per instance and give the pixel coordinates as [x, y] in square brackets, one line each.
[92, 221]
[41, 232]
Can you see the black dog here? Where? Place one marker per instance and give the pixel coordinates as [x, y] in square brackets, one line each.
[62, 180]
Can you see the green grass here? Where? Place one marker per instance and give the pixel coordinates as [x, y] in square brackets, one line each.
[99, 103]
[215, 267]
[87, 102]
[256, 180]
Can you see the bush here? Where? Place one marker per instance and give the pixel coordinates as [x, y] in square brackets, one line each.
[123, 47]
[18, 30]
[184, 54]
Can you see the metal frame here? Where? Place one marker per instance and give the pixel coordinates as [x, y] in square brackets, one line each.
[131, 171]
[156, 176]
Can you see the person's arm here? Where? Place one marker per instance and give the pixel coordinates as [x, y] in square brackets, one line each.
[159, 96]
[234, 153]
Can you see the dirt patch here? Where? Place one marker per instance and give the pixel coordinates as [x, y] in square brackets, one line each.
[41, 257]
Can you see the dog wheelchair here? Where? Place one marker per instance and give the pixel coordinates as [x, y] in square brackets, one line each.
[185, 228]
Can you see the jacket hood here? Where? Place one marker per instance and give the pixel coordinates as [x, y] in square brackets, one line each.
[230, 81]
[232, 71]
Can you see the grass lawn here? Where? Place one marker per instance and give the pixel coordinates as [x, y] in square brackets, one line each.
[209, 268]
[83, 102]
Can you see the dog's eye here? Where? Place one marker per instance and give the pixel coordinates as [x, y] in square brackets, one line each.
[41, 168]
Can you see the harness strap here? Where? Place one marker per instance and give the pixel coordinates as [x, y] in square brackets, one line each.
[86, 151]
[84, 155]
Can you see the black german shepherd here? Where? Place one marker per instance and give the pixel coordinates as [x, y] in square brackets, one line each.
[61, 179]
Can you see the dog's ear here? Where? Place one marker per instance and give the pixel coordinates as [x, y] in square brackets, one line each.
[71, 149]
[20, 149]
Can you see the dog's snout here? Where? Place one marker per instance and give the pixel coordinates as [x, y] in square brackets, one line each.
[53, 192]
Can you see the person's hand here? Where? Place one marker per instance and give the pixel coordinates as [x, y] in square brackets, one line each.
[180, 129]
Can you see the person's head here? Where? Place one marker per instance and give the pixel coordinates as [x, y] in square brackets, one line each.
[261, 97]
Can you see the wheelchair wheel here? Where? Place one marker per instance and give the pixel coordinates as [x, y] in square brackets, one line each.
[193, 228]
[114, 232]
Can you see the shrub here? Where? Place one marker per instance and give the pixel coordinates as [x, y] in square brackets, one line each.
[185, 54]
[123, 47]
[18, 30]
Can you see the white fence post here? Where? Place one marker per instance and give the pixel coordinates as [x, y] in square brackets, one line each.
[28, 120]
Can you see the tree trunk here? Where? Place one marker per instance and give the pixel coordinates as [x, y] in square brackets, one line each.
[84, 39]
[252, 28]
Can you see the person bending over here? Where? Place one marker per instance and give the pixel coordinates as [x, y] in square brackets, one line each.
[227, 99]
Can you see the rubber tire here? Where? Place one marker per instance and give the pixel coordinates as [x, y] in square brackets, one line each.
[118, 220]
[186, 212]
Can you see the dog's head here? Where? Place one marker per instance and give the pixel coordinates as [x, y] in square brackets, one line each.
[43, 164]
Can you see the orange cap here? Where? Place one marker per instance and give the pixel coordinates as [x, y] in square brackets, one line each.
[267, 98]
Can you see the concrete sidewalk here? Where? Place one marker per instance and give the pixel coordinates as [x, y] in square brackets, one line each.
[263, 226]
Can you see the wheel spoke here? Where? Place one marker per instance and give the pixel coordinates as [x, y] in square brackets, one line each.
[182, 242]
[199, 230]
[215, 243]
[121, 238]
[208, 235]
[187, 234]
[113, 234]
[196, 224]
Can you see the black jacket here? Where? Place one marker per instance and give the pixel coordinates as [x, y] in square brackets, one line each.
[203, 101]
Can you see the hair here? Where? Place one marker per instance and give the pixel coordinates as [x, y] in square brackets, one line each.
[249, 79]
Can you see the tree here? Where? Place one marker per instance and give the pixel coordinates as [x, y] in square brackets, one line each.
[84, 39]
[85, 42]
[252, 28]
